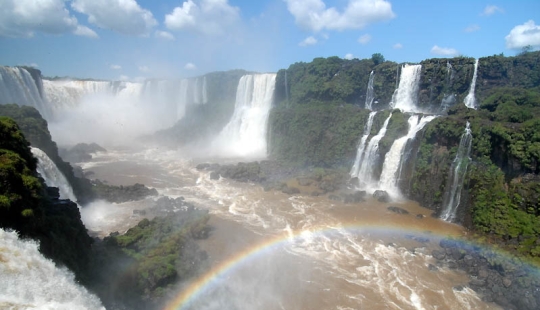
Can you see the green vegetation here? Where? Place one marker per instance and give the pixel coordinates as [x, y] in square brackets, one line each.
[377, 58]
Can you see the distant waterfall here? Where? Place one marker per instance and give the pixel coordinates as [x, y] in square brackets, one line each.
[407, 92]
[52, 176]
[389, 180]
[470, 100]
[449, 99]
[452, 195]
[204, 91]
[369, 92]
[245, 134]
[365, 172]
[362, 145]
[18, 86]
[30, 281]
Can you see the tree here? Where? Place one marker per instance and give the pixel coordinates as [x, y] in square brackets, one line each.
[526, 49]
[377, 58]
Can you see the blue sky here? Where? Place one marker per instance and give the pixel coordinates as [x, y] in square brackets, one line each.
[136, 39]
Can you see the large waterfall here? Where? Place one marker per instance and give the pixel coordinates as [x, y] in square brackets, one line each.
[454, 184]
[406, 95]
[390, 175]
[362, 146]
[52, 176]
[30, 281]
[245, 134]
[369, 92]
[470, 100]
[365, 172]
[18, 86]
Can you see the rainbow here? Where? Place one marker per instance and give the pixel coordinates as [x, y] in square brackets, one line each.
[204, 282]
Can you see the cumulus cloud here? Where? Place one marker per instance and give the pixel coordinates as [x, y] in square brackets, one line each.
[116, 67]
[123, 16]
[144, 69]
[315, 16]
[492, 9]
[22, 18]
[364, 39]
[472, 28]
[308, 41]
[190, 66]
[524, 35]
[397, 46]
[164, 35]
[210, 17]
[444, 51]
[349, 56]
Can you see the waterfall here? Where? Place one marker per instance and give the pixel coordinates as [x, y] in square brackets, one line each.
[369, 92]
[245, 134]
[18, 86]
[52, 176]
[362, 145]
[389, 180]
[407, 92]
[452, 195]
[30, 281]
[204, 91]
[182, 99]
[365, 172]
[470, 100]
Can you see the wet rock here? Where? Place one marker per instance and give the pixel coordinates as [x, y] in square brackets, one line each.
[316, 193]
[304, 181]
[397, 210]
[214, 175]
[438, 255]
[507, 282]
[432, 267]
[458, 288]
[381, 196]
[334, 197]
[290, 190]
[420, 216]
[477, 283]
[203, 166]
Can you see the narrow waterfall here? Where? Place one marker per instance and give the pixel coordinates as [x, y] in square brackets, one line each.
[30, 281]
[449, 99]
[52, 176]
[454, 184]
[18, 86]
[369, 92]
[181, 101]
[245, 134]
[407, 92]
[362, 146]
[365, 172]
[470, 100]
[204, 91]
[389, 180]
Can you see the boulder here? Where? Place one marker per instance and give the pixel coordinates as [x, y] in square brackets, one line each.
[397, 210]
[381, 196]
[214, 175]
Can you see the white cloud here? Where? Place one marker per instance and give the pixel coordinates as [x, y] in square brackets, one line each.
[210, 17]
[190, 66]
[22, 18]
[144, 69]
[444, 51]
[123, 16]
[308, 41]
[116, 67]
[492, 9]
[349, 56]
[315, 16]
[472, 28]
[364, 39]
[523, 35]
[397, 46]
[164, 35]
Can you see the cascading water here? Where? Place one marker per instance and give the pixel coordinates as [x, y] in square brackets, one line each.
[448, 99]
[30, 281]
[18, 86]
[204, 91]
[365, 172]
[470, 100]
[369, 92]
[52, 176]
[362, 145]
[406, 95]
[245, 134]
[455, 181]
[389, 180]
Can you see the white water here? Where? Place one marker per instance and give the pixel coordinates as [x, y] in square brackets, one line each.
[389, 180]
[407, 93]
[452, 195]
[369, 92]
[365, 172]
[245, 134]
[30, 281]
[361, 146]
[470, 100]
[52, 176]
[17, 86]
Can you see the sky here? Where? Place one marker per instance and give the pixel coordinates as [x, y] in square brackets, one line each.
[138, 39]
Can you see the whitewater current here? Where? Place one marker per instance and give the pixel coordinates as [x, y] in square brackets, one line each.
[329, 255]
